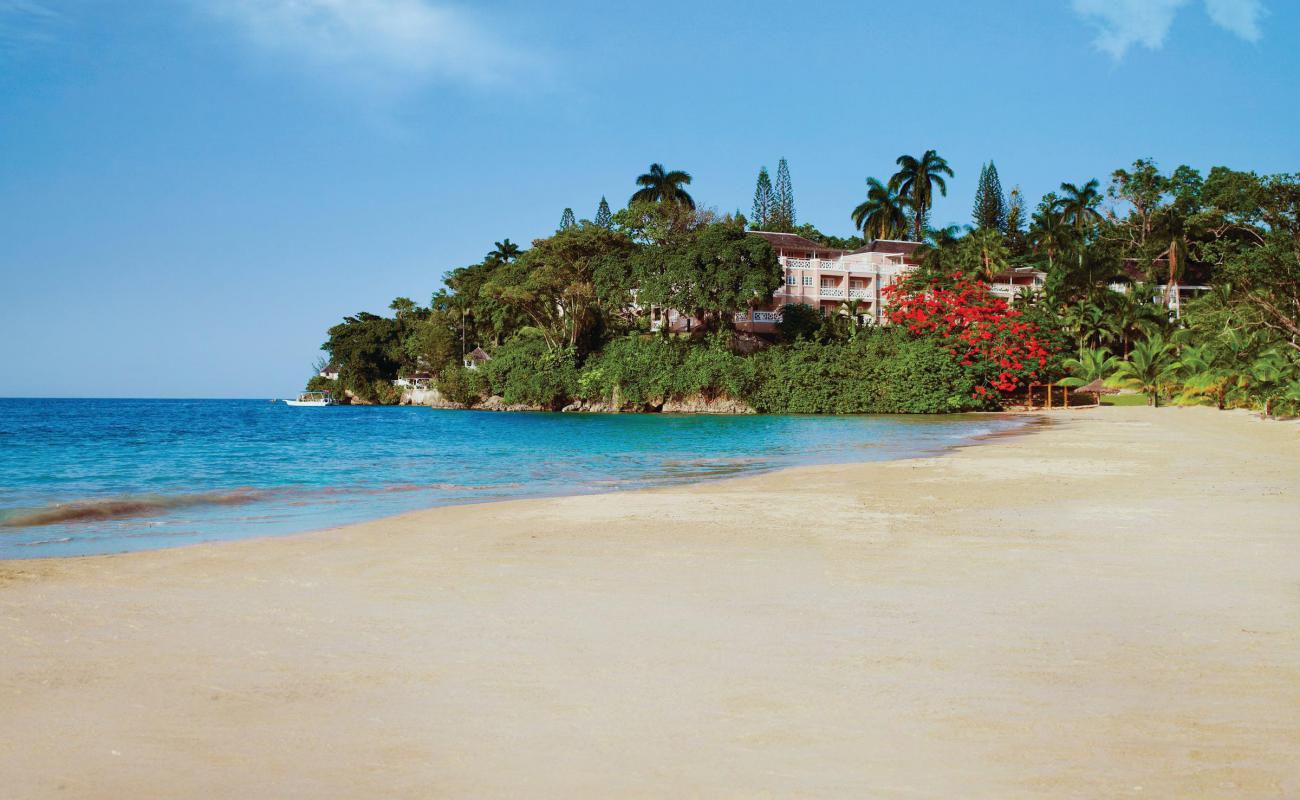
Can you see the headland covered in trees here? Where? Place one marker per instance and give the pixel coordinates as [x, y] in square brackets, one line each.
[1183, 286]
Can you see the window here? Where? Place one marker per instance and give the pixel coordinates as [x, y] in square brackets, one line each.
[828, 283]
[807, 280]
[791, 280]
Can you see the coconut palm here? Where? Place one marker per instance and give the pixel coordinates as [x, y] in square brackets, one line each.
[1267, 377]
[938, 248]
[984, 253]
[661, 186]
[852, 310]
[883, 215]
[1048, 234]
[1150, 368]
[1078, 206]
[916, 179]
[1093, 364]
[505, 251]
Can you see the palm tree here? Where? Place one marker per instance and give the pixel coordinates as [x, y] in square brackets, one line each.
[1093, 364]
[1267, 376]
[660, 186]
[851, 310]
[505, 251]
[986, 249]
[1079, 206]
[937, 247]
[1049, 233]
[1079, 210]
[1151, 367]
[916, 179]
[883, 215]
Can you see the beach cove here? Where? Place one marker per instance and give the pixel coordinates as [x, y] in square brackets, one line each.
[1105, 607]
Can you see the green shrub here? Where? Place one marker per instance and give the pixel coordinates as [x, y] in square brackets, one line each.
[646, 371]
[879, 371]
[460, 385]
[524, 371]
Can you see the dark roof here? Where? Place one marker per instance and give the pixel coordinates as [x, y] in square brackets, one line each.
[479, 354]
[896, 246]
[1195, 273]
[793, 241]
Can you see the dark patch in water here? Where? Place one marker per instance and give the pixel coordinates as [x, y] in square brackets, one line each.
[123, 507]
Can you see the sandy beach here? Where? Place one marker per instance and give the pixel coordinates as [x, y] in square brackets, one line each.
[1106, 607]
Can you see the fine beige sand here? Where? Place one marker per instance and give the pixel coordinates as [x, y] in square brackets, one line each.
[1107, 607]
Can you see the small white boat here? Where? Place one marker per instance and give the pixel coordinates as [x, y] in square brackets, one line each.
[312, 400]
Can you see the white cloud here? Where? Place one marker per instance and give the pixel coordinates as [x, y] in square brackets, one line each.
[385, 44]
[1239, 16]
[1121, 24]
[25, 22]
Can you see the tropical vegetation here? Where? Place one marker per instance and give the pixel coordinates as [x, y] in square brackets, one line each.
[1182, 287]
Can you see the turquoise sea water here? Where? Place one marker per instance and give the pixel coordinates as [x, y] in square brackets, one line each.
[80, 477]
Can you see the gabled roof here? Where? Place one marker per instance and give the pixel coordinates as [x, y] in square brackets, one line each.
[478, 354]
[895, 246]
[1195, 273]
[793, 241]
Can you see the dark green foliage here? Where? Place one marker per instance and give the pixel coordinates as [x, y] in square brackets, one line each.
[782, 216]
[883, 371]
[709, 273]
[644, 371]
[525, 371]
[663, 186]
[799, 321]
[990, 211]
[460, 385]
[764, 201]
[369, 351]
[603, 216]
[566, 220]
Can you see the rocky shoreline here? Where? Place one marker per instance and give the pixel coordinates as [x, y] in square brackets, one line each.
[694, 404]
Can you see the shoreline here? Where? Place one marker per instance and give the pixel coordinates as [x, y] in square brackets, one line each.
[1104, 608]
[1025, 423]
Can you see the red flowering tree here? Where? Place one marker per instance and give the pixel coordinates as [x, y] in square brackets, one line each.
[1002, 349]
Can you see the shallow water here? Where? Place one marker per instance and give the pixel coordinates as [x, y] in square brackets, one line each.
[81, 477]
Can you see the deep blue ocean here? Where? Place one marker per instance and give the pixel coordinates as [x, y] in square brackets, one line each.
[81, 477]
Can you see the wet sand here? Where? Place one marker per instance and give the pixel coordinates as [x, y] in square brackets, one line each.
[1107, 607]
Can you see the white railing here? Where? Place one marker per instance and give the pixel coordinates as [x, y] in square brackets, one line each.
[831, 291]
[758, 316]
[1003, 290]
[860, 294]
[812, 263]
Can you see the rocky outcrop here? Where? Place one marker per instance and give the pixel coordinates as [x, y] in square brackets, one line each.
[430, 397]
[496, 403]
[694, 404]
[698, 404]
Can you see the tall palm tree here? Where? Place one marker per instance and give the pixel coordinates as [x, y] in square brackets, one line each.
[1078, 209]
[883, 215]
[505, 251]
[1048, 234]
[916, 179]
[1078, 206]
[660, 186]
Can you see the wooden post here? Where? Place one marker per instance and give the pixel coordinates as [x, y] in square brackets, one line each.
[1067, 396]
[1049, 397]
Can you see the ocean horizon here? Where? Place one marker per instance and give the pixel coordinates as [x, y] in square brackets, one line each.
[91, 476]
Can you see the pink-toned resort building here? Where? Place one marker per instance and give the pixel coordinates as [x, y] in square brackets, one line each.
[825, 277]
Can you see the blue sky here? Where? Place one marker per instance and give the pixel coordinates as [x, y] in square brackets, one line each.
[192, 191]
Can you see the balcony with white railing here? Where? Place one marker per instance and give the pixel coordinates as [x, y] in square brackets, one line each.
[812, 263]
[831, 291]
[860, 293]
[771, 317]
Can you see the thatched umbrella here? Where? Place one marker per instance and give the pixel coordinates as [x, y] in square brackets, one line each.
[1096, 389]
